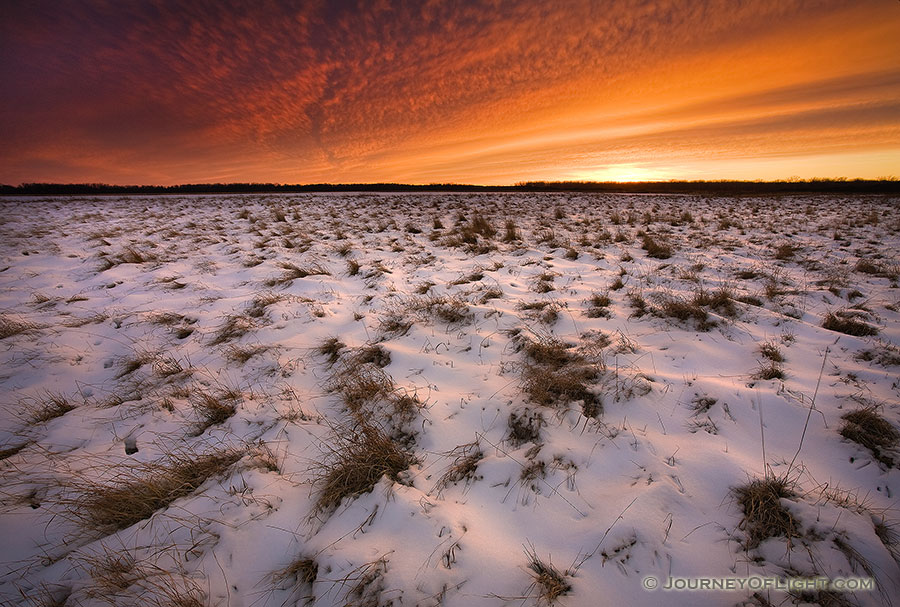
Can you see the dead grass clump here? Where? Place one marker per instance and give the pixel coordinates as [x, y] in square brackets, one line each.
[331, 349]
[721, 300]
[136, 492]
[241, 354]
[549, 582]
[547, 385]
[657, 249]
[544, 283]
[769, 370]
[885, 354]
[298, 576]
[167, 366]
[360, 385]
[873, 268]
[599, 306]
[127, 255]
[258, 305]
[373, 354]
[491, 293]
[213, 410]
[356, 458]
[524, 427]
[46, 595]
[868, 428]
[450, 310]
[844, 321]
[671, 306]
[7, 452]
[10, 327]
[120, 578]
[510, 231]
[785, 251]
[293, 272]
[638, 304]
[234, 326]
[770, 350]
[546, 312]
[463, 468]
[480, 225]
[475, 276]
[702, 404]
[45, 408]
[394, 324]
[764, 516]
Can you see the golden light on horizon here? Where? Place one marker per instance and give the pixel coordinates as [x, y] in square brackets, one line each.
[369, 92]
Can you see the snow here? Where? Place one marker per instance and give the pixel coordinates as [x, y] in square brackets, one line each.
[114, 306]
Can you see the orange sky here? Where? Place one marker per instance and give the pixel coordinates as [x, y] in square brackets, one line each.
[489, 92]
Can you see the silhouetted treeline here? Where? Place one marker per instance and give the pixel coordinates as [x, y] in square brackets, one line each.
[854, 186]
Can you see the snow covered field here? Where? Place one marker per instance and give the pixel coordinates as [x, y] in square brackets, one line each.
[447, 399]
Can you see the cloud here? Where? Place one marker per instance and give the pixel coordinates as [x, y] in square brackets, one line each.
[353, 90]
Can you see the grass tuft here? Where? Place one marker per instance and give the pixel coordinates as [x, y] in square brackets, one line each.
[213, 410]
[764, 516]
[10, 326]
[138, 491]
[549, 582]
[868, 428]
[846, 322]
[356, 458]
[48, 407]
[657, 249]
[331, 349]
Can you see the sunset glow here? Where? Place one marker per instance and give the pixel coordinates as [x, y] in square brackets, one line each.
[478, 92]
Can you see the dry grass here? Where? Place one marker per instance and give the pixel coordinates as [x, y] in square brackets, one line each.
[769, 370]
[846, 322]
[671, 306]
[449, 310]
[785, 251]
[548, 581]
[260, 302]
[356, 458]
[137, 491]
[241, 354]
[721, 300]
[45, 408]
[298, 576]
[360, 385]
[7, 452]
[656, 248]
[524, 427]
[764, 516]
[599, 306]
[292, 272]
[463, 468]
[869, 429]
[213, 409]
[394, 324]
[234, 326]
[770, 350]
[546, 312]
[554, 375]
[10, 326]
[120, 578]
[331, 349]
[885, 354]
[129, 364]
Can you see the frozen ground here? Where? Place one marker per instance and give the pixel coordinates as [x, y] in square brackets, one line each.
[441, 399]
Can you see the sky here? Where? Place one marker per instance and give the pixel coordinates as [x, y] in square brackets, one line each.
[487, 92]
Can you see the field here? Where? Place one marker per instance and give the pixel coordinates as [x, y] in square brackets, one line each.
[447, 399]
